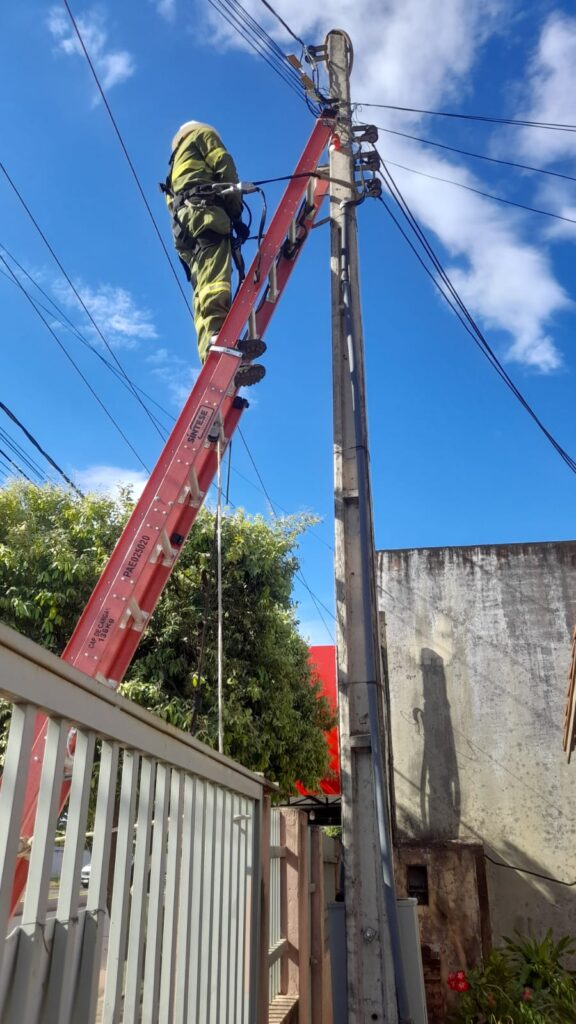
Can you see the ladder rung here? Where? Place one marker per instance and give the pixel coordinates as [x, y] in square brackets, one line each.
[191, 493]
[272, 294]
[133, 611]
[310, 189]
[252, 328]
[293, 231]
[163, 548]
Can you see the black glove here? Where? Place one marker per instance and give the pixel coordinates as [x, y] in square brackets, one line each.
[242, 231]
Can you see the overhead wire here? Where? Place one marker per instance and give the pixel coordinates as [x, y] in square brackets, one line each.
[19, 452]
[33, 440]
[318, 604]
[240, 26]
[480, 192]
[477, 156]
[290, 31]
[126, 153]
[63, 348]
[263, 44]
[452, 297]
[549, 125]
[76, 292]
[59, 315]
[8, 462]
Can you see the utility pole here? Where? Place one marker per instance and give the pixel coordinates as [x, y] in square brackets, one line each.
[375, 990]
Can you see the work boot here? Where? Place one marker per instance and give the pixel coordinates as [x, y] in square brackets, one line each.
[251, 348]
[249, 373]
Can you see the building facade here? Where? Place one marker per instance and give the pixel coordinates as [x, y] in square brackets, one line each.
[477, 649]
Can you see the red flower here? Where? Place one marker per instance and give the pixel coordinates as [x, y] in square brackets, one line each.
[462, 986]
[461, 976]
[527, 995]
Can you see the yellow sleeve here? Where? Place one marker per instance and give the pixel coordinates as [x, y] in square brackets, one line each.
[222, 166]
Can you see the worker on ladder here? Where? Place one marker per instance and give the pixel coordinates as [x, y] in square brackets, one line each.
[206, 210]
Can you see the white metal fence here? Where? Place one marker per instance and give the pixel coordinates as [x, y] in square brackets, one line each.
[169, 928]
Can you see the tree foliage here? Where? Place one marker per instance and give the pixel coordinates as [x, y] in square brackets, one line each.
[53, 547]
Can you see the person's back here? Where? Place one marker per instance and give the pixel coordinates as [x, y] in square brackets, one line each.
[202, 226]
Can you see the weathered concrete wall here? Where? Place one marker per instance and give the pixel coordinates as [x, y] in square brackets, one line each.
[478, 652]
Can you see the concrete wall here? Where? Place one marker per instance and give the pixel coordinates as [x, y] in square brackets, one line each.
[478, 645]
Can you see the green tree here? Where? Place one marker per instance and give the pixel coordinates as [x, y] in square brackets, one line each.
[53, 547]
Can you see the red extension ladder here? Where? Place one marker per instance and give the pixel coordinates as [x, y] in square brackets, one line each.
[128, 591]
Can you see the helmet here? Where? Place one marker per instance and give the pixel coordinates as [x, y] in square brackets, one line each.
[185, 130]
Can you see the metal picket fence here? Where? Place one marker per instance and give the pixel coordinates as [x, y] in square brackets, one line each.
[168, 930]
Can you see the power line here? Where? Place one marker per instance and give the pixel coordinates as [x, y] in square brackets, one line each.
[126, 154]
[527, 871]
[6, 459]
[19, 452]
[61, 317]
[39, 448]
[283, 23]
[240, 24]
[76, 292]
[552, 126]
[477, 156]
[479, 192]
[458, 306]
[75, 365]
[318, 604]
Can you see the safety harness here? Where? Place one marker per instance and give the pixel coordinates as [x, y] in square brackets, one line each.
[200, 196]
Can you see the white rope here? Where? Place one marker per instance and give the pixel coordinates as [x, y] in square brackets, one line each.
[219, 570]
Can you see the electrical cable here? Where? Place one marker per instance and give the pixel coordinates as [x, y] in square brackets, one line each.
[19, 452]
[39, 448]
[318, 604]
[458, 306]
[75, 290]
[61, 317]
[76, 367]
[220, 627]
[552, 126]
[268, 42]
[236, 24]
[126, 154]
[527, 871]
[486, 195]
[6, 459]
[477, 156]
[283, 23]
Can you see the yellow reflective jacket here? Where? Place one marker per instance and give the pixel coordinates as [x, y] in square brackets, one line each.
[202, 157]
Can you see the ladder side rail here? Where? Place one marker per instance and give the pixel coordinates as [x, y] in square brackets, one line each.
[216, 379]
[93, 626]
[274, 237]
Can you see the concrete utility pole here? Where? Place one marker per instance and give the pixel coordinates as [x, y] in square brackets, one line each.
[370, 903]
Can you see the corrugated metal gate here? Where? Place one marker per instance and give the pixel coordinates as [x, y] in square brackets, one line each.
[169, 927]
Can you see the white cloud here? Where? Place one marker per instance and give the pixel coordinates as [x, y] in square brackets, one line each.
[175, 374]
[492, 261]
[122, 322]
[109, 480]
[113, 66]
[166, 8]
[551, 87]
[421, 53]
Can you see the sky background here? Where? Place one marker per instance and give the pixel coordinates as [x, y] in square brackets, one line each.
[455, 460]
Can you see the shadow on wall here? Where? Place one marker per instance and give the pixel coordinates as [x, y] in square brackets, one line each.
[440, 797]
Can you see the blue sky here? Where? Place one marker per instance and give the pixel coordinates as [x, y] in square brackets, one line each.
[455, 460]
